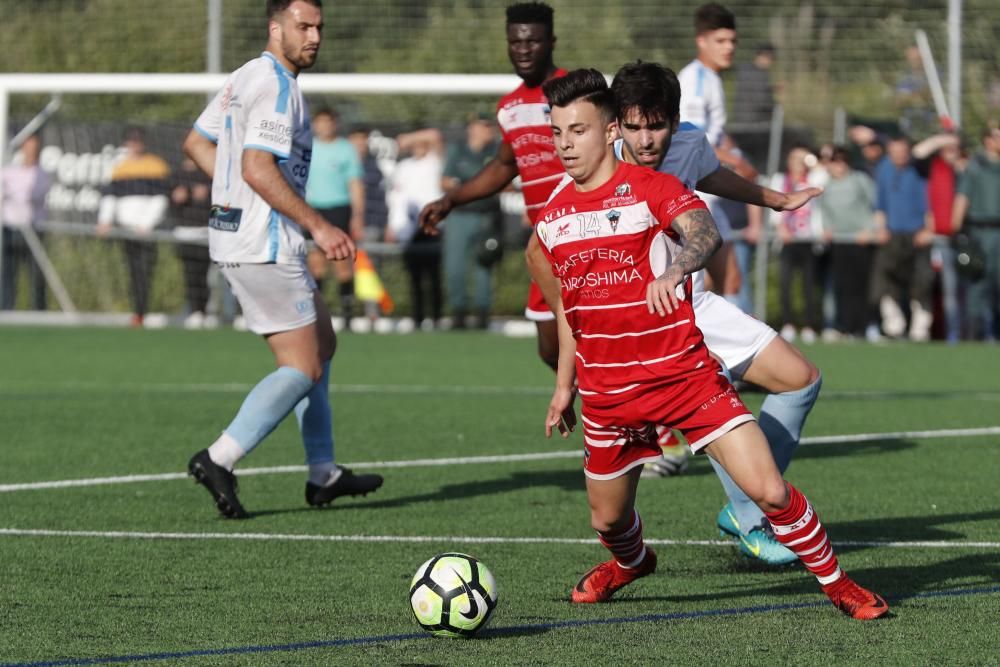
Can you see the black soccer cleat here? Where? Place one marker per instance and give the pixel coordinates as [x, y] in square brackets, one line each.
[220, 483]
[348, 484]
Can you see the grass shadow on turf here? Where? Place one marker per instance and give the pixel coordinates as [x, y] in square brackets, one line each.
[847, 448]
[910, 528]
[566, 480]
[701, 466]
[900, 581]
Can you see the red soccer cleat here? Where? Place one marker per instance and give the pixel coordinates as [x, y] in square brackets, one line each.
[855, 601]
[601, 582]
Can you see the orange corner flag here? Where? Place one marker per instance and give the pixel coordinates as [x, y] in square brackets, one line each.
[368, 286]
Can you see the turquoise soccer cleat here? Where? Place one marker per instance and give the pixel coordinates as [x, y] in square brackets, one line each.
[728, 525]
[760, 543]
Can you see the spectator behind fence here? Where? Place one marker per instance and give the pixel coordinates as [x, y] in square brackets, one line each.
[25, 185]
[871, 145]
[191, 204]
[335, 188]
[136, 199]
[468, 226]
[799, 232]
[977, 209]
[754, 101]
[376, 208]
[939, 160]
[903, 264]
[848, 219]
[416, 182]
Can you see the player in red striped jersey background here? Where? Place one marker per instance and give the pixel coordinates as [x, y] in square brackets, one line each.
[526, 149]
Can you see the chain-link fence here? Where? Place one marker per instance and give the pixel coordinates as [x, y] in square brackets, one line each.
[830, 54]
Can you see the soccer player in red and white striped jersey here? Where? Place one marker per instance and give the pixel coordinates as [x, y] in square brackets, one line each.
[526, 149]
[627, 336]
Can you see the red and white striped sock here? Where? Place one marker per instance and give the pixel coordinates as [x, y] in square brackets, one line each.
[799, 528]
[627, 547]
[666, 439]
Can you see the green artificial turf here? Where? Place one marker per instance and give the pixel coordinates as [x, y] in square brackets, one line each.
[87, 403]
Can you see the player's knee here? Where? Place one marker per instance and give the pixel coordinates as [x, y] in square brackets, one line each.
[810, 372]
[772, 496]
[609, 521]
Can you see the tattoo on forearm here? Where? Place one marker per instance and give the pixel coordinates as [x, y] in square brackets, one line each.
[700, 238]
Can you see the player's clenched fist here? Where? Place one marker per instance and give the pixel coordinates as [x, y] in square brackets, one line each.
[334, 243]
[433, 213]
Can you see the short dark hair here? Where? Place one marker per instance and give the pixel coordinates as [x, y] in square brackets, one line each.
[649, 88]
[278, 6]
[840, 154]
[587, 85]
[135, 133]
[713, 16]
[326, 111]
[530, 12]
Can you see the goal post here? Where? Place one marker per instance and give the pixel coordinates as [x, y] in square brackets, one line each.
[82, 145]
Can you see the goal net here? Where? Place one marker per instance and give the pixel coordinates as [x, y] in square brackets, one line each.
[82, 132]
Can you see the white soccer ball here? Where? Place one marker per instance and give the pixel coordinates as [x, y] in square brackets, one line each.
[453, 595]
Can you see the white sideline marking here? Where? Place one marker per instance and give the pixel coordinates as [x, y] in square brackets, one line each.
[473, 390]
[414, 539]
[473, 460]
[464, 460]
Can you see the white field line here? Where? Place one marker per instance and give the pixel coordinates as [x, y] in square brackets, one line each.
[472, 390]
[476, 460]
[420, 539]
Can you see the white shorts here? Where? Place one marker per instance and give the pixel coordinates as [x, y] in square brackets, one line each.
[730, 334]
[274, 297]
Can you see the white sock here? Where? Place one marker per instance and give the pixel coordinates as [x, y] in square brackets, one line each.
[226, 452]
[324, 474]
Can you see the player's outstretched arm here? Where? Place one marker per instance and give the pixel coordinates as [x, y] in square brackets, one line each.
[700, 238]
[491, 179]
[262, 174]
[560, 414]
[201, 150]
[726, 184]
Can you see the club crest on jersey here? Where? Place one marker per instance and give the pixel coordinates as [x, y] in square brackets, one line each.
[613, 217]
[623, 197]
[547, 111]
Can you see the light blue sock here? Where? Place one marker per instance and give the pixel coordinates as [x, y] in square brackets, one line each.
[267, 404]
[781, 419]
[316, 420]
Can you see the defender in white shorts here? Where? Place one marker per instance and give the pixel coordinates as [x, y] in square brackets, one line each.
[254, 140]
[651, 129]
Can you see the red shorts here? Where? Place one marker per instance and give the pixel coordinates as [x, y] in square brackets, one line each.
[537, 310]
[703, 406]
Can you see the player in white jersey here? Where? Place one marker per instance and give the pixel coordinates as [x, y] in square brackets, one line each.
[255, 142]
[703, 104]
[647, 97]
